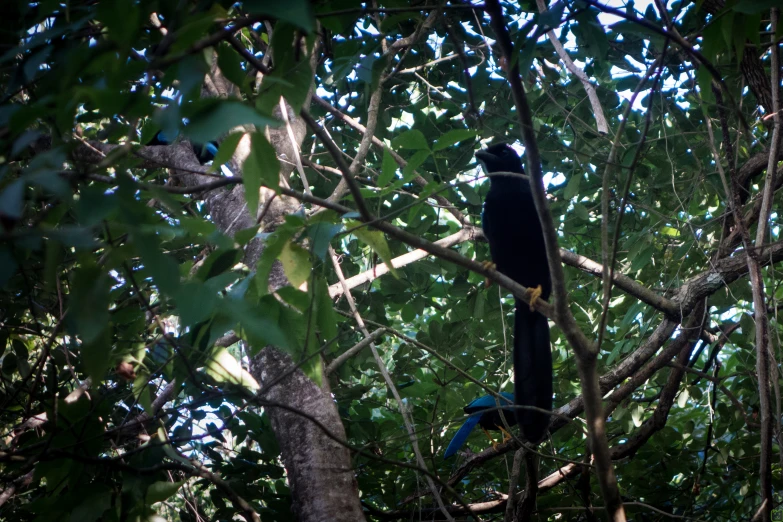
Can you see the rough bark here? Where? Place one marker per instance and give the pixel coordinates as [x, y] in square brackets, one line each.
[750, 64]
[320, 471]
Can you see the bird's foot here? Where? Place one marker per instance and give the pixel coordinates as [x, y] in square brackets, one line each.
[488, 265]
[506, 435]
[487, 434]
[534, 293]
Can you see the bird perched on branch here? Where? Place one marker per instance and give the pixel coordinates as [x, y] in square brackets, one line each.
[484, 412]
[516, 243]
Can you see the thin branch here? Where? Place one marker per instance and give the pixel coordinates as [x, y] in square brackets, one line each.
[598, 111]
[367, 276]
[386, 377]
[763, 345]
[350, 352]
[364, 145]
[719, 384]
[418, 179]
[667, 306]
[609, 252]
[348, 175]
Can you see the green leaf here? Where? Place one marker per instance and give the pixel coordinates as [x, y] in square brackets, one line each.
[682, 398]
[169, 450]
[244, 236]
[376, 241]
[581, 212]
[296, 12]
[218, 262]
[704, 78]
[121, 20]
[526, 54]
[295, 297]
[388, 169]
[452, 137]
[755, 6]
[224, 368]
[164, 270]
[296, 263]
[572, 188]
[411, 139]
[414, 163]
[8, 266]
[261, 323]
[190, 72]
[552, 16]
[195, 302]
[160, 491]
[471, 196]
[94, 504]
[89, 302]
[669, 231]
[261, 168]
[326, 318]
[230, 65]
[96, 354]
[274, 245]
[292, 76]
[77, 237]
[12, 200]
[216, 117]
[142, 391]
[321, 235]
[637, 413]
[226, 150]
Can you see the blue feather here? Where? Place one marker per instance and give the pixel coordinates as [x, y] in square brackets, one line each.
[488, 401]
[462, 435]
[476, 410]
[165, 138]
[212, 148]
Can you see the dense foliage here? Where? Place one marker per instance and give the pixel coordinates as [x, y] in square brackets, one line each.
[140, 310]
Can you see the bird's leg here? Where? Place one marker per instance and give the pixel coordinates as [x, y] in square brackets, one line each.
[488, 265]
[506, 435]
[494, 444]
[534, 293]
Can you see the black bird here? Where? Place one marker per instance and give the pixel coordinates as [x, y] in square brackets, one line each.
[516, 243]
[484, 412]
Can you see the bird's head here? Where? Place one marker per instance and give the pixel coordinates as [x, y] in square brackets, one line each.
[500, 158]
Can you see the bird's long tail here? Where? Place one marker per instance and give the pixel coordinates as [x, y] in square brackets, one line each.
[462, 435]
[532, 371]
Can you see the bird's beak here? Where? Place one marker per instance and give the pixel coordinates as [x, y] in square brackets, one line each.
[483, 156]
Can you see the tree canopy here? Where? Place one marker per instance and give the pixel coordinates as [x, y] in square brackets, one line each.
[291, 330]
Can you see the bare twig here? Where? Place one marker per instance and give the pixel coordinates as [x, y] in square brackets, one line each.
[367, 276]
[386, 377]
[763, 347]
[609, 251]
[418, 179]
[598, 111]
[350, 352]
